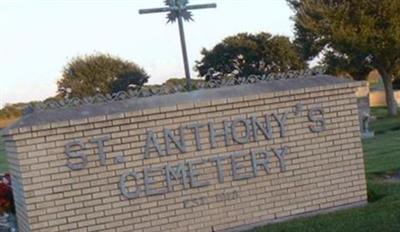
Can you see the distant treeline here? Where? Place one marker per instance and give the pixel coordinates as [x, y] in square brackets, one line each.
[11, 111]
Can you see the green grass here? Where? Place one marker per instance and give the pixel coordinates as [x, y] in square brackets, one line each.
[3, 159]
[382, 214]
[383, 124]
[382, 153]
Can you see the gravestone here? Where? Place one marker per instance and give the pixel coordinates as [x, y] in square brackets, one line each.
[221, 159]
[364, 112]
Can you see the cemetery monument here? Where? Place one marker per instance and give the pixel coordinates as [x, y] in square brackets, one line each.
[221, 158]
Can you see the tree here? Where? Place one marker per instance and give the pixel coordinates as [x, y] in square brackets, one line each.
[182, 82]
[259, 53]
[99, 73]
[356, 36]
[11, 111]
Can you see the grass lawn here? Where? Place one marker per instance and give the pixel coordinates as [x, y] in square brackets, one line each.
[3, 160]
[382, 156]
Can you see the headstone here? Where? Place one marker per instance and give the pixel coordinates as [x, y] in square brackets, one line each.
[364, 112]
[221, 159]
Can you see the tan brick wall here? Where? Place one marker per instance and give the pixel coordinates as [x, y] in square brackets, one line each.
[323, 169]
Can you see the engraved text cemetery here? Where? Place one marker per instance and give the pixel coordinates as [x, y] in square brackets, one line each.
[238, 131]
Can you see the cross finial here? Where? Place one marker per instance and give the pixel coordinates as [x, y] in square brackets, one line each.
[178, 10]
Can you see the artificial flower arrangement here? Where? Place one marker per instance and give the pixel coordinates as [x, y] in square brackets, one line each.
[6, 196]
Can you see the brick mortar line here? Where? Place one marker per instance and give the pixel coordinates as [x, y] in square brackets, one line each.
[193, 151]
[172, 123]
[292, 121]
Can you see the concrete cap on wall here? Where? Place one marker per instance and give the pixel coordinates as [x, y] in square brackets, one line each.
[142, 103]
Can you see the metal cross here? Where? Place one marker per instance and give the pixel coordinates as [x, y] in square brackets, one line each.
[179, 10]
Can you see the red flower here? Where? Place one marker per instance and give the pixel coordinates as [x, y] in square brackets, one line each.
[6, 196]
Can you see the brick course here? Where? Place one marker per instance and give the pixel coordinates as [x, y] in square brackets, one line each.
[324, 170]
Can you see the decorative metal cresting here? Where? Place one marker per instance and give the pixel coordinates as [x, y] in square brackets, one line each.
[217, 80]
[179, 10]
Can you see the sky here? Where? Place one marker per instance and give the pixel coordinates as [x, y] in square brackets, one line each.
[39, 37]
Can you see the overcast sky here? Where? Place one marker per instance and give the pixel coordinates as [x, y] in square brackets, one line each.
[38, 38]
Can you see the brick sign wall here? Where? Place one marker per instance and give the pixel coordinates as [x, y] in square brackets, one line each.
[210, 160]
